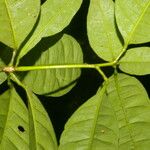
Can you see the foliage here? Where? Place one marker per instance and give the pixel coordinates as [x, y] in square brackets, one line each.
[38, 57]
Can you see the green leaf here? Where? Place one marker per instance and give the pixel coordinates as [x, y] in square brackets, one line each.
[17, 18]
[102, 30]
[41, 132]
[55, 16]
[117, 117]
[133, 20]
[54, 82]
[132, 106]
[136, 61]
[93, 126]
[13, 114]
[3, 77]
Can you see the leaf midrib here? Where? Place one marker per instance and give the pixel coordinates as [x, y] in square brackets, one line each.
[96, 118]
[33, 118]
[137, 22]
[116, 80]
[37, 34]
[11, 25]
[129, 37]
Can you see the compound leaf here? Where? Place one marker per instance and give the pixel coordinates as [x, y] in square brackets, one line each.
[93, 126]
[17, 18]
[102, 30]
[136, 61]
[55, 16]
[54, 82]
[133, 20]
[14, 132]
[117, 117]
[41, 131]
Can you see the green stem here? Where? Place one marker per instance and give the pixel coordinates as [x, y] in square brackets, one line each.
[102, 74]
[17, 80]
[122, 52]
[12, 59]
[93, 66]
[30, 68]
[123, 49]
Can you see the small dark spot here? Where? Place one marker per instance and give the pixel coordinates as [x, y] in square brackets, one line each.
[21, 128]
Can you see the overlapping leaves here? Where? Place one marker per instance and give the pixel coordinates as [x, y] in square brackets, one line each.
[130, 23]
[102, 30]
[17, 18]
[55, 16]
[117, 117]
[17, 131]
[41, 133]
[22, 27]
[54, 82]
[13, 114]
[133, 20]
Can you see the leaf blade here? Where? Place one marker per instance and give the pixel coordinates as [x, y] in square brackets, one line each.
[132, 107]
[102, 30]
[13, 113]
[132, 20]
[54, 18]
[42, 134]
[16, 20]
[85, 129]
[123, 120]
[54, 82]
[3, 77]
[136, 61]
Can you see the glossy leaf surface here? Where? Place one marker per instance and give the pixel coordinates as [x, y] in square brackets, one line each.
[54, 82]
[14, 132]
[133, 20]
[117, 117]
[55, 16]
[41, 132]
[136, 61]
[17, 18]
[102, 30]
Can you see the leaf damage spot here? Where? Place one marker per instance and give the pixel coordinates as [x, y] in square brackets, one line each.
[21, 128]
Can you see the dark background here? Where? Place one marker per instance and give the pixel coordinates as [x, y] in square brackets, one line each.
[61, 108]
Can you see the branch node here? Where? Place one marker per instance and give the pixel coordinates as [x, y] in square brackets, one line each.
[8, 69]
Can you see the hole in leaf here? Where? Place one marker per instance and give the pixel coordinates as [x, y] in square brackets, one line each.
[21, 128]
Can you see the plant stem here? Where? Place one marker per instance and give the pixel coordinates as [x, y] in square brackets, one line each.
[102, 74]
[12, 59]
[30, 68]
[17, 80]
[67, 66]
